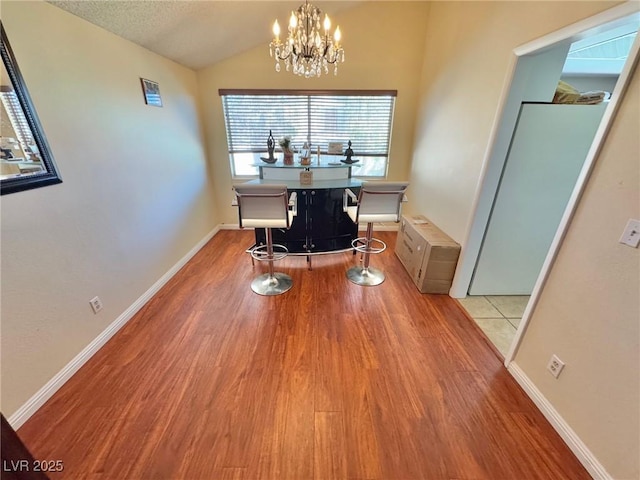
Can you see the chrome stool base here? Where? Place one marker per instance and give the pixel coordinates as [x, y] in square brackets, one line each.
[367, 277]
[266, 284]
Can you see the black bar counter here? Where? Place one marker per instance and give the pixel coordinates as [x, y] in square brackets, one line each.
[321, 226]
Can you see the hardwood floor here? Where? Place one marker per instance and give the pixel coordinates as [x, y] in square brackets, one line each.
[328, 381]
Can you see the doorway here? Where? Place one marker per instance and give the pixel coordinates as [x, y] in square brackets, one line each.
[536, 71]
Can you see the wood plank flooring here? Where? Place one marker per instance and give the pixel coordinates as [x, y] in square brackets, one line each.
[328, 381]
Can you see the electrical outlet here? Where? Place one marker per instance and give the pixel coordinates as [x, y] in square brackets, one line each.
[96, 304]
[631, 234]
[555, 366]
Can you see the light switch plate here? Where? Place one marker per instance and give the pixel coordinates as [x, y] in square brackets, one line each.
[631, 234]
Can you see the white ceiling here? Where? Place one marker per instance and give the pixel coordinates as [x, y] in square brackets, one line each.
[194, 33]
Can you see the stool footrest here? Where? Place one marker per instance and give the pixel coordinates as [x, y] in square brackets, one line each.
[363, 248]
[260, 253]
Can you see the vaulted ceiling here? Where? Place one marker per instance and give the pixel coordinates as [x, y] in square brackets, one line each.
[195, 33]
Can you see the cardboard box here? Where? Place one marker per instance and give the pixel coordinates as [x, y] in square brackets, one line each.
[428, 254]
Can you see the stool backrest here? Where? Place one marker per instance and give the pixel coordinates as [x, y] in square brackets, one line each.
[380, 201]
[262, 206]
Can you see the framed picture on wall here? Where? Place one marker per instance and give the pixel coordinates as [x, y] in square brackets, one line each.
[151, 92]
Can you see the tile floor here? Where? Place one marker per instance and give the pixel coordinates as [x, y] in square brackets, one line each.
[497, 316]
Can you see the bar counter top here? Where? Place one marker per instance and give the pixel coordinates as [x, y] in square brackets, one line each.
[324, 163]
[326, 175]
[315, 185]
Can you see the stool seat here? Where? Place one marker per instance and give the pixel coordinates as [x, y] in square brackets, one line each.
[378, 202]
[268, 222]
[371, 218]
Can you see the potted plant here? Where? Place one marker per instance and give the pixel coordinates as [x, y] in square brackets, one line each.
[287, 151]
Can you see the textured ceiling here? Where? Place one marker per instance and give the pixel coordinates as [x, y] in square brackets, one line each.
[195, 33]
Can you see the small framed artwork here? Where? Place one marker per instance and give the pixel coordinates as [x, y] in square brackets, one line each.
[335, 148]
[306, 177]
[151, 92]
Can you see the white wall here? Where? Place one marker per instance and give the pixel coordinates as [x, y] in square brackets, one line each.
[589, 310]
[135, 198]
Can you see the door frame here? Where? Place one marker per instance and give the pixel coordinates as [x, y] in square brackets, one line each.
[493, 163]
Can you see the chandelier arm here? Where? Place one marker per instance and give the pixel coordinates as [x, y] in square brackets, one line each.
[309, 52]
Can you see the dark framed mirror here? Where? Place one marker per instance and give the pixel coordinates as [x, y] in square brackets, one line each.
[26, 161]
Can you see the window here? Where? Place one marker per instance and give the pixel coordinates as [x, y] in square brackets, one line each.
[315, 117]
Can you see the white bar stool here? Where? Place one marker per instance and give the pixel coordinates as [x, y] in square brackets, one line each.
[377, 202]
[267, 206]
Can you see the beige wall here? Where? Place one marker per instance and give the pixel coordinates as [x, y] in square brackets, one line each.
[135, 197]
[588, 313]
[389, 59]
[468, 50]
[589, 310]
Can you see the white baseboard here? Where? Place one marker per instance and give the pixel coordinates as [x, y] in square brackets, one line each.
[577, 446]
[52, 386]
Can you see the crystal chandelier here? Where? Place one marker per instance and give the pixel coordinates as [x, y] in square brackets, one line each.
[308, 50]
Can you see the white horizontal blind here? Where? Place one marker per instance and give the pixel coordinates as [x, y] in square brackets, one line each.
[250, 117]
[317, 118]
[18, 120]
[366, 121]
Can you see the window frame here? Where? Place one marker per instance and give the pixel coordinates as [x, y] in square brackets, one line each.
[309, 94]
